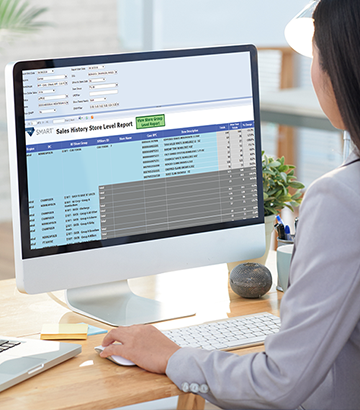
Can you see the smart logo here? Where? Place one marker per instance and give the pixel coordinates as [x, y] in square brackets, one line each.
[30, 131]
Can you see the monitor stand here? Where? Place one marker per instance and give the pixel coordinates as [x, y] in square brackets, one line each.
[115, 304]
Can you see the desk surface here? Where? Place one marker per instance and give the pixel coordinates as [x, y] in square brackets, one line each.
[90, 382]
[298, 107]
[299, 101]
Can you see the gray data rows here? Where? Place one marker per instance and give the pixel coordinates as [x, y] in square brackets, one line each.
[177, 202]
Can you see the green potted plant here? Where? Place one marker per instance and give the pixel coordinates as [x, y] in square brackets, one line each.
[278, 178]
[281, 189]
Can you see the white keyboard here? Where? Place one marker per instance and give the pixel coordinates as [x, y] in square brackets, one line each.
[227, 334]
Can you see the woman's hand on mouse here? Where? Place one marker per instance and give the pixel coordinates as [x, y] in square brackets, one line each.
[144, 345]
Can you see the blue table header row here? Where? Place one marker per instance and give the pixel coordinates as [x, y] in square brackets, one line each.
[141, 136]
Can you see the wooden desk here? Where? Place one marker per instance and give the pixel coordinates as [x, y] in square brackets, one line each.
[89, 382]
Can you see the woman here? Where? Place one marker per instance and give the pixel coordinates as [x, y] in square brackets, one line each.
[314, 360]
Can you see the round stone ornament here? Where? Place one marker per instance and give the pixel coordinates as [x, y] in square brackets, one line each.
[250, 280]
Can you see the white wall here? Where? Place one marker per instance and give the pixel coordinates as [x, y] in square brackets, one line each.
[190, 23]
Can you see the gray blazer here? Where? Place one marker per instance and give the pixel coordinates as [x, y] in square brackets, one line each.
[314, 360]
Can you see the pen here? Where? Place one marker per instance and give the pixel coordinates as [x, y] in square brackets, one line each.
[296, 222]
[279, 220]
[287, 233]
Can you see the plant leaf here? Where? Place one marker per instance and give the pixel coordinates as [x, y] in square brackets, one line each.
[275, 164]
[18, 17]
[284, 177]
[297, 195]
[296, 185]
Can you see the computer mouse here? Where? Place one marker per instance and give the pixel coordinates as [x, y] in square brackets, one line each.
[116, 359]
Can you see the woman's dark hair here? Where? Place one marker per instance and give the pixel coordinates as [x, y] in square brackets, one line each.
[337, 38]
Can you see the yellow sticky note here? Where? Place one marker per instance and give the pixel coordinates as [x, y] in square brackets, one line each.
[64, 331]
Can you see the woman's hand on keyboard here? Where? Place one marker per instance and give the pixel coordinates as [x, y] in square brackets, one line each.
[144, 345]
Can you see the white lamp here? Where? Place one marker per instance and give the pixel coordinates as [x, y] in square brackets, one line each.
[299, 31]
[299, 34]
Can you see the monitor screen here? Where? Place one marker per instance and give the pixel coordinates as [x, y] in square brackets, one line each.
[116, 156]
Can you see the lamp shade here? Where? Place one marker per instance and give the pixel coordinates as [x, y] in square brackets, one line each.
[299, 31]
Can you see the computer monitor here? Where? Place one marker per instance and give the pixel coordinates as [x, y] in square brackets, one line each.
[130, 165]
